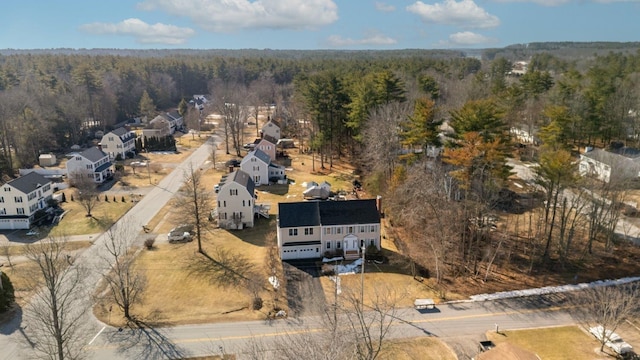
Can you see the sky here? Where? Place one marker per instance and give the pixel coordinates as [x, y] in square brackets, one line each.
[311, 24]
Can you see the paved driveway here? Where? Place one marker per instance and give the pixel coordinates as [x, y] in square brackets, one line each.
[305, 294]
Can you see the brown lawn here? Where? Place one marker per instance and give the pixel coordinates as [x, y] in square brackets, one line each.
[75, 221]
[566, 342]
[426, 348]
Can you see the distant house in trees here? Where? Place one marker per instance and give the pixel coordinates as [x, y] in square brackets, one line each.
[199, 102]
[92, 163]
[21, 198]
[119, 142]
[236, 201]
[524, 135]
[259, 166]
[271, 128]
[607, 166]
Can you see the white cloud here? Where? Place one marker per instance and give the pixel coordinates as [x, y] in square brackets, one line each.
[468, 38]
[380, 6]
[143, 33]
[562, 2]
[231, 15]
[374, 39]
[464, 13]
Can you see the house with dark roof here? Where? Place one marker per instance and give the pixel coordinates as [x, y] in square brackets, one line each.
[268, 145]
[236, 201]
[92, 163]
[271, 128]
[119, 142]
[262, 170]
[309, 229]
[619, 165]
[21, 198]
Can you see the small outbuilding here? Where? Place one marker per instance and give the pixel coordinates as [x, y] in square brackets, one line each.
[47, 160]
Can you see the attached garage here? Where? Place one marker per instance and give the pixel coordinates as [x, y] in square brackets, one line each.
[296, 251]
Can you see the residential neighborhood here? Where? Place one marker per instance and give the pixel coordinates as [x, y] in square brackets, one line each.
[218, 205]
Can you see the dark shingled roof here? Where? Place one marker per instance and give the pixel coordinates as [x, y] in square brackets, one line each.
[241, 178]
[270, 139]
[93, 154]
[262, 156]
[120, 131]
[309, 213]
[295, 214]
[29, 182]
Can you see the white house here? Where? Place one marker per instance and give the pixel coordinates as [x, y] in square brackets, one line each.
[236, 201]
[259, 166]
[92, 163]
[21, 198]
[607, 166]
[164, 124]
[271, 128]
[119, 142]
[309, 229]
[268, 145]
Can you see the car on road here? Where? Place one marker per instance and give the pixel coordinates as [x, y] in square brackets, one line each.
[32, 233]
[611, 340]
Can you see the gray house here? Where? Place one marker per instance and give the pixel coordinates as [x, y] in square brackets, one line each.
[607, 166]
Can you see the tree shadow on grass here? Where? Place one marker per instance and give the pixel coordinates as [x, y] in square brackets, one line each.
[139, 340]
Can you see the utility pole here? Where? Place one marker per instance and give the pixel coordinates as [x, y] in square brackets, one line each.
[362, 281]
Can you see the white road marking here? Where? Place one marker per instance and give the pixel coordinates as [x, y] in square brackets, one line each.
[98, 334]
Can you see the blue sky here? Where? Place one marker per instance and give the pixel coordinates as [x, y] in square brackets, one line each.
[312, 24]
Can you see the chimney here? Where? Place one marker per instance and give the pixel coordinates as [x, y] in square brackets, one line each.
[379, 205]
[100, 146]
[230, 169]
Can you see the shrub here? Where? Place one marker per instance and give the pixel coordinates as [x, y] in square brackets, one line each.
[122, 199]
[257, 303]
[149, 243]
[7, 296]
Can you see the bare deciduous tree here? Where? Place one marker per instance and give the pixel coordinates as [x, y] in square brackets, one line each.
[607, 306]
[86, 192]
[194, 202]
[124, 281]
[54, 316]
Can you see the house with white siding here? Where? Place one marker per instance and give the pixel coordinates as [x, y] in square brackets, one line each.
[309, 229]
[271, 128]
[21, 198]
[119, 142]
[266, 144]
[624, 164]
[92, 163]
[261, 169]
[236, 200]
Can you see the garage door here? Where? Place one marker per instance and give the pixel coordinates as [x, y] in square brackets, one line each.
[300, 252]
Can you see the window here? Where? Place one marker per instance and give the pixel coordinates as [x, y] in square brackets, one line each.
[338, 244]
[328, 244]
[293, 232]
[18, 199]
[338, 230]
[224, 203]
[3, 211]
[308, 231]
[243, 203]
[373, 242]
[78, 158]
[350, 230]
[234, 192]
[372, 228]
[327, 231]
[1, 199]
[218, 203]
[362, 229]
[20, 211]
[7, 189]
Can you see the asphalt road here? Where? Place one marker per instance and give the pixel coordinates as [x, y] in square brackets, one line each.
[448, 322]
[13, 334]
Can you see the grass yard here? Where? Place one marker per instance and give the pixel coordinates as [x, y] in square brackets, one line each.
[75, 221]
[181, 290]
[17, 250]
[425, 348]
[554, 343]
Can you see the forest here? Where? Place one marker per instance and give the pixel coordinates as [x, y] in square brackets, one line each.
[428, 130]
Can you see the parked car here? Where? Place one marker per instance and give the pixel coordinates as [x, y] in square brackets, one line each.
[180, 233]
[232, 162]
[612, 340]
[216, 188]
[249, 146]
